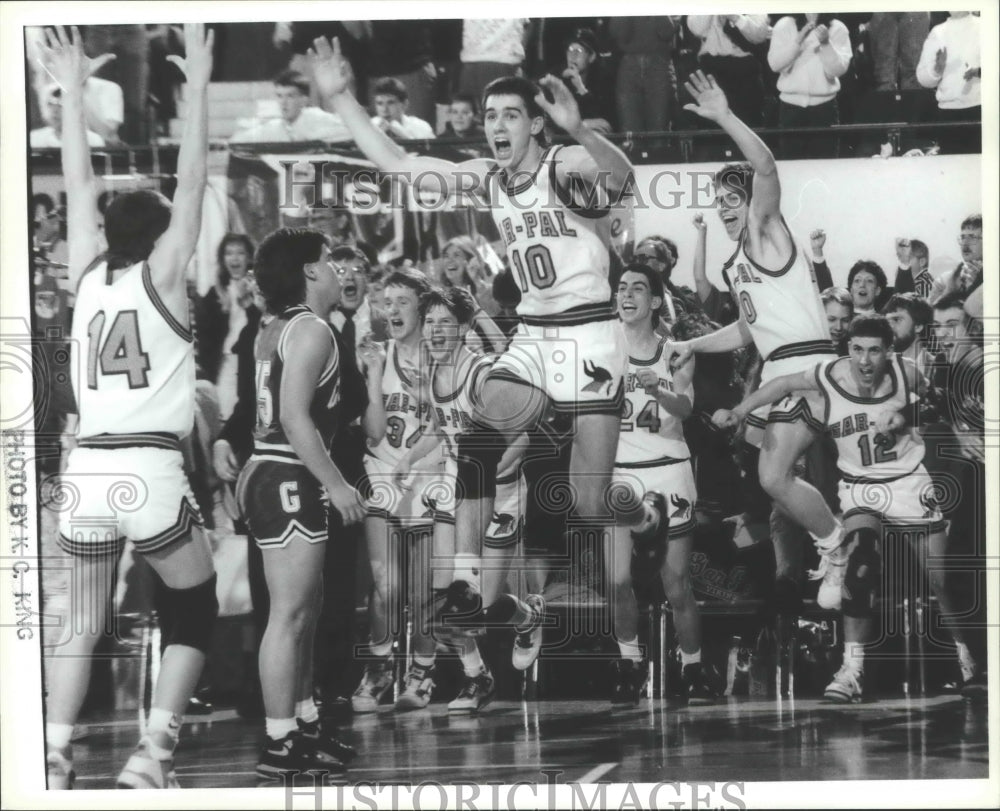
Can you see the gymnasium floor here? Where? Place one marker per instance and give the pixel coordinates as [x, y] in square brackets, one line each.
[739, 739]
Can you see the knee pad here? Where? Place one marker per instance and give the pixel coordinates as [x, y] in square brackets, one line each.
[191, 615]
[863, 574]
[479, 452]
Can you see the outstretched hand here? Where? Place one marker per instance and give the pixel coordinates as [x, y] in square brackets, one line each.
[563, 109]
[710, 100]
[331, 70]
[196, 64]
[63, 58]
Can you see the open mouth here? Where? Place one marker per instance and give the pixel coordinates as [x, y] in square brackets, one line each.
[349, 290]
[501, 145]
[729, 219]
[628, 307]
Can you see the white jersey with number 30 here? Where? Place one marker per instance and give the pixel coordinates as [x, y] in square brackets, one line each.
[133, 362]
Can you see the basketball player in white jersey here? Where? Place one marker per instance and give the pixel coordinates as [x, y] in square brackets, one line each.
[653, 460]
[551, 206]
[132, 345]
[869, 400]
[781, 312]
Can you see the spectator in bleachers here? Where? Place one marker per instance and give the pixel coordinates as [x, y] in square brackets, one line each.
[719, 306]
[463, 267]
[728, 43]
[839, 308]
[298, 121]
[586, 79]
[404, 50]
[491, 49]
[129, 70]
[463, 119]
[817, 240]
[912, 275]
[50, 137]
[390, 100]
[646, 78]
[809, 52]
[868, 285]
[164, 78]
[951, 62]
[296, 38]
[895, 38]
[967, 277]
[910, 317]
[660, 254]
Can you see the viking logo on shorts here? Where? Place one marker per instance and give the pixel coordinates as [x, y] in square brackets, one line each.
[600, 376]
[928, 500]
[504, 523]
[683, 506]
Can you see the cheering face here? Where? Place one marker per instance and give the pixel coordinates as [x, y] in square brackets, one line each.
[864, 290]
[510, 130]
[636, 303]
[402, 311]
[838, 319]
[442, 333]
[733, 206]
[904, 329]
[869, 360]
[455, 265]
[353, 283]
[971, 243]
[236, 260]
[951, 328]
[291, 102]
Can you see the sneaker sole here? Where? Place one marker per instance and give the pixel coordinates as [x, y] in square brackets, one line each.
[841, 698]
[407, 706]
[471, 710]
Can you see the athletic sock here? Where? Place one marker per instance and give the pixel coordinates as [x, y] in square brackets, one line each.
[307, 710]
[472, 662]
[691, 658]
[162, 731]
[467, 568]
[425, 662]
[278, 728]
[854, 657]
[630, 650]
[57, 735]
[831, 541]
[382, 650]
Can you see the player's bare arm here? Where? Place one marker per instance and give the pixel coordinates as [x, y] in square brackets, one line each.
[595, 159]
[63, 58]
[728, 339]
[332, 75]
[371, 357]
[672, 399]
[310, 343]
[769, 393]
[764, 219]
[175, 248]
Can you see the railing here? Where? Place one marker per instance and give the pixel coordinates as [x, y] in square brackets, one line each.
[160, 159]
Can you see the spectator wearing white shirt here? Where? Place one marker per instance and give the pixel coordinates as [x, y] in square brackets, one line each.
[809, 52]
[491, 49]
[50, 137]
[951, 62]
[299, 121]
[391, 100]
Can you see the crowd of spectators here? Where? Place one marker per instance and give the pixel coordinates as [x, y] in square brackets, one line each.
[421, 77]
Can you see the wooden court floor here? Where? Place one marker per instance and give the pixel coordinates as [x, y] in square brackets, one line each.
[738, 739]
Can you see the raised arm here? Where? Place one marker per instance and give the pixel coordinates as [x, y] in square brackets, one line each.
[63, 58]
[173, 251]
[332, 75]
[371, 355]
[702, 285]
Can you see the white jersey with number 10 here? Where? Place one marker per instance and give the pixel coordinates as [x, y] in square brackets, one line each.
[133, 362]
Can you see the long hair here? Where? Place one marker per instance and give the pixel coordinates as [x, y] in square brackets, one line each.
[222, 275]
[279, 265]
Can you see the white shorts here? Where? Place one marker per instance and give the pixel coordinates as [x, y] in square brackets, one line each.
[807, 406]
[910, 499]
[581, 367]
[425, 496]
[675, 481]
[505, 527]
[139, 493]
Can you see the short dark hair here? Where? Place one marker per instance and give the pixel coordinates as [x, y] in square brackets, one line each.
[292, 78]
[652, 278]
[42, 199]
[280, 262]
[871, 325]
[457, 301]
[738, 177]
[919, 248]
[973, 221]
[469, 99]
[222, 274]
[868, 266]
[841, 295]
[390, 86]
[919, 310]
[132, 223]
[505, 289]
[415, 279]
[345, 253]
[523, 88]
[951, 301]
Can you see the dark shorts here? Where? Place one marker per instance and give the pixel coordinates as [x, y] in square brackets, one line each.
[280, 501]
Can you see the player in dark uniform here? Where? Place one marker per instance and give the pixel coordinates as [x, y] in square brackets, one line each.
[284, 489]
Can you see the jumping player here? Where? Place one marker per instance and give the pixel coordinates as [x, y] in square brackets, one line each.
[551, 205]
[781, 312]
[653, 460]
[866, 399]
[284, 488]
[135, 399]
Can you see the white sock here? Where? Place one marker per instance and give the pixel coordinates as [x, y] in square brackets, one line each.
[382, 649]
[467, 568]
[831, 541]
[854, 657]
[630, 649]
[57, 735]
[472, 662]
[278, 728]
[691, 658]
[965, 660]
[423, 661]
[163, 729]
[306, 710]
